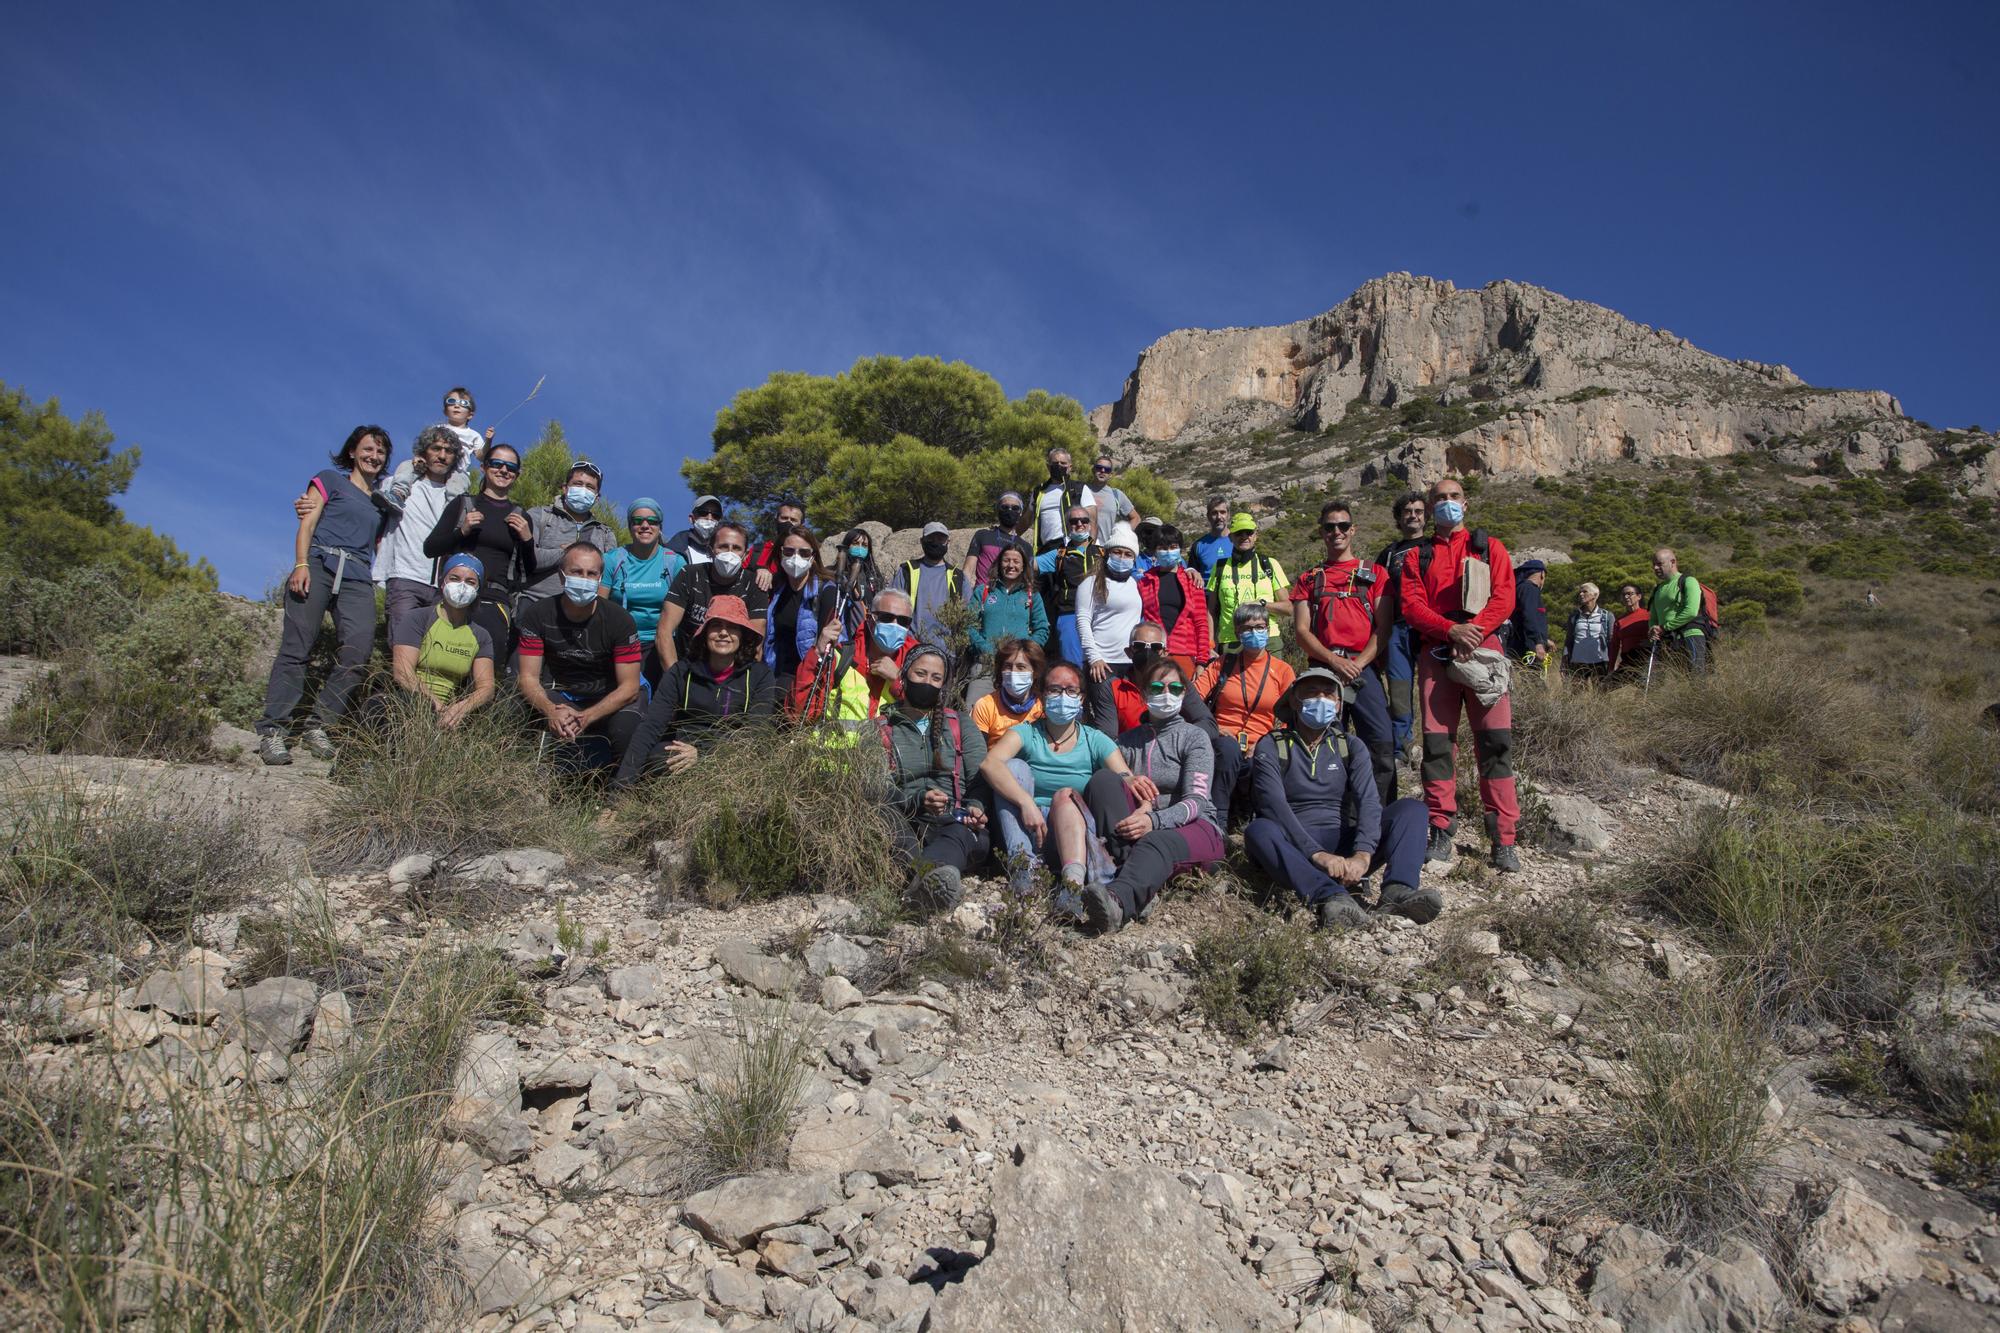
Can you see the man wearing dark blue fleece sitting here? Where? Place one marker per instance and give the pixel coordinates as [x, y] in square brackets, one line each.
[1320, 828]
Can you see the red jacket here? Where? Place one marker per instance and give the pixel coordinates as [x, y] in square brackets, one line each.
[1343, 611]
[1190, 636]
[1431, 601]
[808, 673]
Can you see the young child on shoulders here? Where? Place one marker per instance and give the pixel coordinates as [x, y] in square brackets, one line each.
[458, 410]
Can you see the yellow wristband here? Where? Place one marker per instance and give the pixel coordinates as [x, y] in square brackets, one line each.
[300, 565]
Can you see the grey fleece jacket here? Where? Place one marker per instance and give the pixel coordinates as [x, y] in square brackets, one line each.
[555, 528]
[1179, 759]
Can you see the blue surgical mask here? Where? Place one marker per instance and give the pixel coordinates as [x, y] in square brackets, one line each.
[580, 499]
[580, 588]
[1062, 709]
[1257, 640]
[1167, 559]
[1120, 565]
[1017, 683]
[1449, 513]
[1319, 711]
[858, 552]
[891, 635]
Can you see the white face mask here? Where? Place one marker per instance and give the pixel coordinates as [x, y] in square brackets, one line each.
[706, 527]
[460, 595]
[1163, 706]
[727, 563]
[797, 566]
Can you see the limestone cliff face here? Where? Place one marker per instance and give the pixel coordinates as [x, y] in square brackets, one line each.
[1555, 385]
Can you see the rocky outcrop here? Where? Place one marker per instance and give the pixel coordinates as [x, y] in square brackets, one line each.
[1559, 385]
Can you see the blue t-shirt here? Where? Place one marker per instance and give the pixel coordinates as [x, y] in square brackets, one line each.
[1204, 554]
[640, 586]
[352, 520]
[1072, 768]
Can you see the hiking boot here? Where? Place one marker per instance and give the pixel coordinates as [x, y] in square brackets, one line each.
[1145, 913]
[1101, 913]
[1419, 905]
[1339, 911]
[1506, 859]
[318, 744]
[939, 889]
[1440, 849]
[272, 750]
[1067, 905]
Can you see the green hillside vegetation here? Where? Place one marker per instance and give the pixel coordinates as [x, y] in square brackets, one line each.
[896, 441]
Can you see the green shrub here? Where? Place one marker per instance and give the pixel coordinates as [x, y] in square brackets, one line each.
[1253, 972]
[737, 1114]
[56, 617]
[86, 705]
[408, 785]
[201, 643]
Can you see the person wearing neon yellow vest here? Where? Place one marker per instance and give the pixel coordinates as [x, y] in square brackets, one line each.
[437, 654]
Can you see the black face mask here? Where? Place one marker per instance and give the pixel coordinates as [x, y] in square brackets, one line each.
[1058, 473]
[934, 546]
[921, 694]
[1010, 516]
[786, 527]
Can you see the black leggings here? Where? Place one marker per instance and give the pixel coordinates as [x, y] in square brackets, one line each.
[1144, 866]
[931, 845]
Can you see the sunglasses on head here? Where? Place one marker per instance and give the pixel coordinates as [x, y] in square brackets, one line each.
[1165, 687]
[502, 465]
[458, 402]
[1337, 527]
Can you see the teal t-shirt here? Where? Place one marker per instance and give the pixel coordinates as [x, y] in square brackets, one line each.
[1072, 768]
[640, 586]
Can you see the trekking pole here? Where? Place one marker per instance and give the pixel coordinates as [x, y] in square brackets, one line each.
[523, 403]
[1653, 653]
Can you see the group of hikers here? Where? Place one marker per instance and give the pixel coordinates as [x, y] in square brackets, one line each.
[1108, 707]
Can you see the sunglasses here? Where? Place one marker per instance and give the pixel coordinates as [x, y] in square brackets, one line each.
[1079, 523]
[458, 402]
[1165, 687]
[646, 522]
[502, 465]
[1337, 527]
[886, 618]
[805, 551]
[1101, 467]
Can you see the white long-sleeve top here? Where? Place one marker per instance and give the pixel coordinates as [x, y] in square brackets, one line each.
[401, 554]
[1106, 626]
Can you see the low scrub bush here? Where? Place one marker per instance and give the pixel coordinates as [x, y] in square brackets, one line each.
[767, 812]
[87, 873]
[1570, 930]
[290, 1207]
[55, 617]
[1834, 919]
[1253, 972]
[408, 785]
[1682, 1144]
[738, 1111]
[1567, 732]
[87, 706]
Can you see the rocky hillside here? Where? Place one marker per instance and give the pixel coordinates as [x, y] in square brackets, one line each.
[1410, 376]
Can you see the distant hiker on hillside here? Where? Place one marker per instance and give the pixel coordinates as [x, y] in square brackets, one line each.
[1010, 529]
[720, 685]
[1246, 576]
[1526, 633]
[564, 521]
[1163, 824]
[438, 653]
[1398, 659]
[1058, 496]
[1675, 605]
[931, 584]
[1320, 828]
[1458, 589]
[691, 542]
[494, 528]
[1113, 505]
[1587, 643]
[1171, 596]
[580, 665]
[726, 574]
[1628, 646]
[1339, 616]
[637, 576]
[1062, 568]
[332, 554]
[1214, 545]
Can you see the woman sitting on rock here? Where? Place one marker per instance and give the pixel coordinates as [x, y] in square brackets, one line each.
[1038, 771]
[1161, 823]
[438, 654]
[721, 684]
[934, 753]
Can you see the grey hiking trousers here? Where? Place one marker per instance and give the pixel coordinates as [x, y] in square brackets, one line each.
[354, 628]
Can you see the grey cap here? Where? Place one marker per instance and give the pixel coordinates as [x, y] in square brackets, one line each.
[1316, 673]
[701, 500]
[936, 530]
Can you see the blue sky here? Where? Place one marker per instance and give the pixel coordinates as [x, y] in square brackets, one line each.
[238, 230]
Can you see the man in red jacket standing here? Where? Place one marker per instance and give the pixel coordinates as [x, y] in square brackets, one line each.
[1433, 594]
